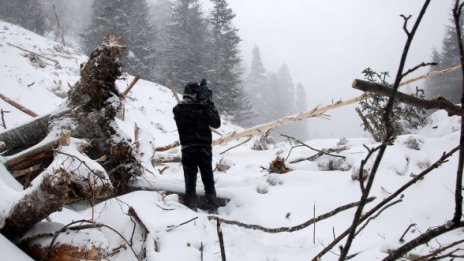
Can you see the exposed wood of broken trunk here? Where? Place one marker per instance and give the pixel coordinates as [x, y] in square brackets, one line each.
[316, 112]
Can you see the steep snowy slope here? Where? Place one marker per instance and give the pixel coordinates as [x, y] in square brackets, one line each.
[257, 197]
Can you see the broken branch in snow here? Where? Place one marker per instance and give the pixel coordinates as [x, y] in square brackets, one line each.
[18, 106]
[422, 239]
[321, 152]
[294, 228]
[130, 86]
[172, 227]
[235, 146]
[34, 53]
[435, 252]
[405, 232]
[382, 90]
[60, 30]
[221, 239]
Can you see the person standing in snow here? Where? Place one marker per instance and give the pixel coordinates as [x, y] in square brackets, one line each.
[194, 116]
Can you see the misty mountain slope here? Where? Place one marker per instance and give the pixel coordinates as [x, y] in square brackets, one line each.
[257, 197]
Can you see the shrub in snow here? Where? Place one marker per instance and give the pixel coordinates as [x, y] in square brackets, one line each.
[278, 166]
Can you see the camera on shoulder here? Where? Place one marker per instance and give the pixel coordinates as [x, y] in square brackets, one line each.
[204, 93]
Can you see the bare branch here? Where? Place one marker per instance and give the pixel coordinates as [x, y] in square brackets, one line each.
[420, 176]
[221, 239]
[422, 239]
[306, 145]
[172, 227]
[294, 228]
[458, 191]
[417, 67]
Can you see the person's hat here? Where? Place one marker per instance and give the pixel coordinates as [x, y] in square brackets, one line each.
[191, 90]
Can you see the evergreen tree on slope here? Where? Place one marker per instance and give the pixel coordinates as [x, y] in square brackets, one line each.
[449, 85]
[25, 13]
[224, 63]
[188, 45]
[257, 87]
[161, 13]
[129, 20]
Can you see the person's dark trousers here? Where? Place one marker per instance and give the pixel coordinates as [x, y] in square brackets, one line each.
[194, 158]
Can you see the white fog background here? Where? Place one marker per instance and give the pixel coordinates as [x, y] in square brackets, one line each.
[326, 44]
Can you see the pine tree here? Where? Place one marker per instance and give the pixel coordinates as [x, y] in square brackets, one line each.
[129, 20]
[25, 13]
[161, 13]
[286, 91]
[301, 106]
[257, 87]
[224, 75]
[188, 35]
[449, 85]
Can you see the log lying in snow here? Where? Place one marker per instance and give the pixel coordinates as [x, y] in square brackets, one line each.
[382, 90]
[46, 198]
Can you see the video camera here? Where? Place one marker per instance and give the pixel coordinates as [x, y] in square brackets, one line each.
[204, 93]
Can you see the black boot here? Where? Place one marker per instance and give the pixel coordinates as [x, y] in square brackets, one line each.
[212, 203]
[190, 201]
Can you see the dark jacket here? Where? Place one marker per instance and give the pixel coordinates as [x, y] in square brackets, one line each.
[194, 121]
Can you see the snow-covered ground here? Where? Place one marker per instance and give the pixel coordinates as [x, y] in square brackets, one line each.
[257, 197]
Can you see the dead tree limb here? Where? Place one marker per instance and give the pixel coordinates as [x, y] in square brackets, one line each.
[18, 106]
[367, 125]
[221, 239]
[384, 202]
[34, 53]
[235, 146]
[422, 239]
[389, 133]
[294, 228]
[306, 145]
[131, 85]
[48, 197]
[382, 90]
[457, 11]
[58, 23]
[438, 251]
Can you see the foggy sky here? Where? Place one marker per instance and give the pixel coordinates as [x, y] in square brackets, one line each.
[326, 44]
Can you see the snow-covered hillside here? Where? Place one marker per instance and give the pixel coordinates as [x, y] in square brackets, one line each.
[256, 196]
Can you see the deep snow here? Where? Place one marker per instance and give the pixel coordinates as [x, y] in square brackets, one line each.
[257, 197]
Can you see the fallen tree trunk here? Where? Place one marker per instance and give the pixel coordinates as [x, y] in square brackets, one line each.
[316, 112]
[382, 90]
[46, 198]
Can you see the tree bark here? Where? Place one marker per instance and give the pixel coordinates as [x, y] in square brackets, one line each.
[46, 198]
[379, 89]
